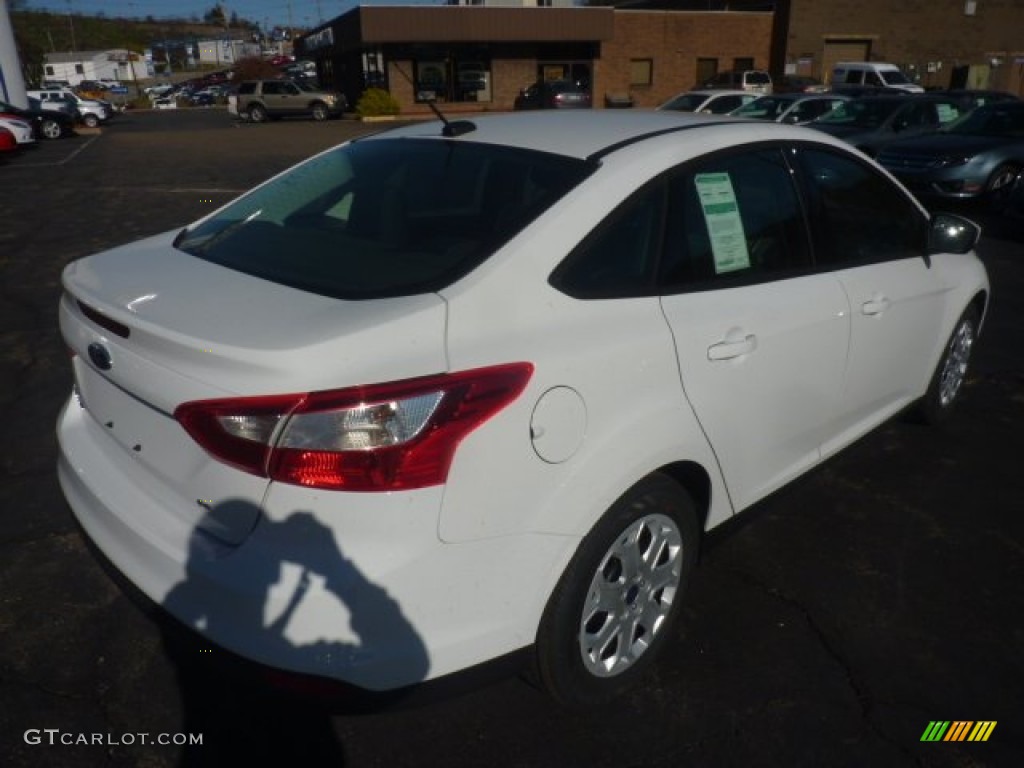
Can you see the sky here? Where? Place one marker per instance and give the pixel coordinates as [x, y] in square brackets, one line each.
[283, 13]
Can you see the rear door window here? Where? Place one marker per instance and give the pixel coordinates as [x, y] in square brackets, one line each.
[734, 219]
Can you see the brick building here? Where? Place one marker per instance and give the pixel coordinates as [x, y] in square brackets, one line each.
[965, 43]
[479, 57]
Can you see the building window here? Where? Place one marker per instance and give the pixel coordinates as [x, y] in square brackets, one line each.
[79, 69]
[641, 71]
[453, 79]
[578, 72]
[741, 64]
[706, 70]
[49, 71]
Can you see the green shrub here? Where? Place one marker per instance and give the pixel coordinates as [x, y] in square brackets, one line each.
[376, 102]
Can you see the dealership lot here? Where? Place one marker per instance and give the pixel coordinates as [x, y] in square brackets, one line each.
[845, 614]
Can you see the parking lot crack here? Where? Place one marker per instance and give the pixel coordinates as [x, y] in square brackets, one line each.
[859, 689]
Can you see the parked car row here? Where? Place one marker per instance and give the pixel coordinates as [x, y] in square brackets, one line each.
[956, 144]
[40, 123]
[210, 89]
[90, 112]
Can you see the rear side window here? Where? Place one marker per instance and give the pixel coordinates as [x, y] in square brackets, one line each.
[385, 217]
[247, 88]
[617, 259]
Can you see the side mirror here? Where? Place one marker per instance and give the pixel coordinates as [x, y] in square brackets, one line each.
[950, 233]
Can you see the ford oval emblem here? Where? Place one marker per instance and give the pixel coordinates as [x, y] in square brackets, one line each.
[100, 356]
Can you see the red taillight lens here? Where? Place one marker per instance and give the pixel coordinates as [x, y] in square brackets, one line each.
[384, 437]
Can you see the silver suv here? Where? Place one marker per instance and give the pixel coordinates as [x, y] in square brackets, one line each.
[90, 112]
[261, 100]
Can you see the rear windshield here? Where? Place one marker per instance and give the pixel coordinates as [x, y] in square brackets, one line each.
[387, 217]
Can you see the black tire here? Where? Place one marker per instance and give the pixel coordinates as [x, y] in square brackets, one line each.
[998, 186]
[635, 561]
[320, 112]
[90, 121]
[51, 129]
[257, 113]
[947, 381]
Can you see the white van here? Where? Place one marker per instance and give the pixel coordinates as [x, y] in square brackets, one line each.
[871, 74]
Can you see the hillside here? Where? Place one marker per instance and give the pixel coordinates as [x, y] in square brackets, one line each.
[37, 33]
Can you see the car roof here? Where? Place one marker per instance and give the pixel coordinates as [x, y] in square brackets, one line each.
[573, 133]
[800, 96]
[717, 92]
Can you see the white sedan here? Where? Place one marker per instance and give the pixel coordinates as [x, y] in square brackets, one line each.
[713, 101]
[454, 390]
[21, 129]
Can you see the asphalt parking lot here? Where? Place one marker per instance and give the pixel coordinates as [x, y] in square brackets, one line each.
[829, 627]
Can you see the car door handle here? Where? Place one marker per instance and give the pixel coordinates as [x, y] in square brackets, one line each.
[875, 306]
[727, 350]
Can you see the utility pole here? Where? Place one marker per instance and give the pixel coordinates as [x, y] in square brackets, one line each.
[71, 26]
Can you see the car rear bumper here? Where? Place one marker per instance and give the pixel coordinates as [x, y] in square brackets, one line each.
[353, 587]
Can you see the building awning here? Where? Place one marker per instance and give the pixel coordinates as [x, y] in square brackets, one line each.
[460, 23]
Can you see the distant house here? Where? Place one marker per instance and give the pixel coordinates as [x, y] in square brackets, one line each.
[221, 52]
[115, 64]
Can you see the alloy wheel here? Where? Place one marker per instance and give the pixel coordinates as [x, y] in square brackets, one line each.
[630, 595]
[954, 370]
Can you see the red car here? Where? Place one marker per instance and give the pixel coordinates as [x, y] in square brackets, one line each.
[280, 60]
[7, 141]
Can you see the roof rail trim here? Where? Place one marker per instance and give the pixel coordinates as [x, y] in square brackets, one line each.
[643, 137]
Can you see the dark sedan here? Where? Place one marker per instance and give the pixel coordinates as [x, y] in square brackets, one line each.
[47, 124]
[977, 157]
[971, 98]
[553, 94]
[872, 122]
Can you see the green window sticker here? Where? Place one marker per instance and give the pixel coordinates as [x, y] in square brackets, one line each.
[722, 217]
[947, 113]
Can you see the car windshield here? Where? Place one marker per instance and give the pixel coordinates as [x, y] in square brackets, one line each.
[385, 217]
[685, 102]
[861, 113]
[1004, 120]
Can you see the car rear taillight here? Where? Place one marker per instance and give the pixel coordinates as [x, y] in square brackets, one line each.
[385, 437]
